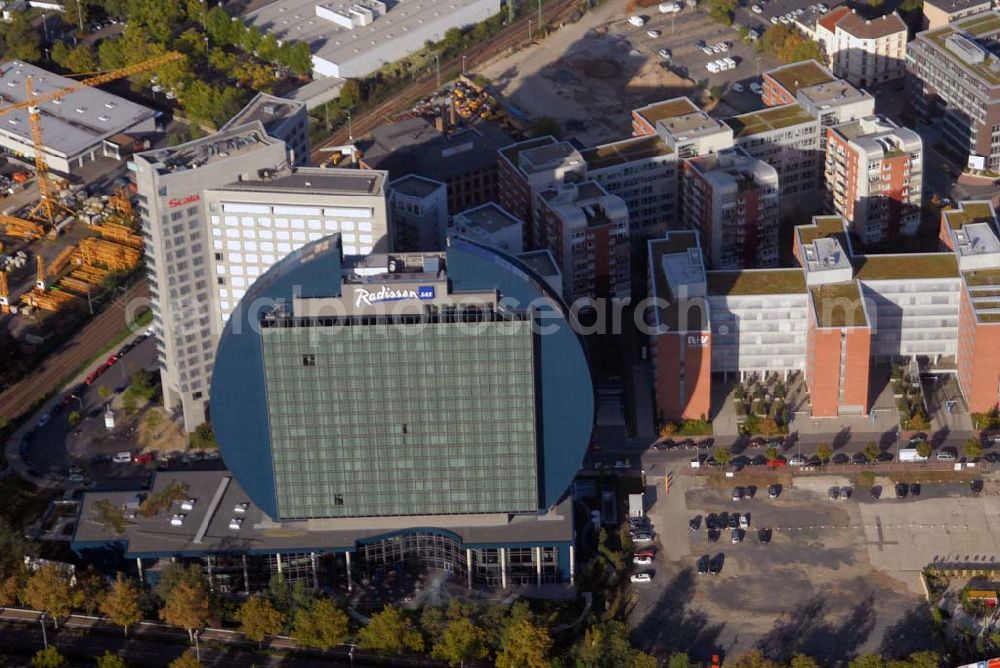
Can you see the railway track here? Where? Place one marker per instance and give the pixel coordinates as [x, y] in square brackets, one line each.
[516, 33]
[69, 356]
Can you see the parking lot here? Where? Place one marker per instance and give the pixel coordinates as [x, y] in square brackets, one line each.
[589, 75]
[837, 578]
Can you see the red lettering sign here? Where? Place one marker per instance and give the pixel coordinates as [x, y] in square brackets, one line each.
[181, 201]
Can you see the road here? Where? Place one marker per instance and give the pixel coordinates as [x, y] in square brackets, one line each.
[155, 644]
[46, 446]
[511, 36]
[88, 342]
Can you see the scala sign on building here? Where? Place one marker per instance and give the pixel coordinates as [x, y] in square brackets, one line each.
[372, 296]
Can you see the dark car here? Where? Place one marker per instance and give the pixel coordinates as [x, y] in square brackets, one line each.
[764, 536]
[917, 439]
[687, 443]
[715, 565]
[901, 490]
[885, 456]
[734, 521]
[95, 412]
[711, 521]
[976, 487]
[841, 458]
[914, 489]
[703, 564]
[695, 523]
[859, 458]
[713, 535]
[737, 493]
[663, 445]
[992, 457]
[751, 491]
[876, 492]
[79, 390]
[773, 491]
[777, 442]
[756, 442]
[759, 460]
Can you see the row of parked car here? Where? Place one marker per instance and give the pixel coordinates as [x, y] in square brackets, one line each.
[642, 534]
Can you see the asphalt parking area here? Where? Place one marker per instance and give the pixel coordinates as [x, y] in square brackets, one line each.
[837, 578]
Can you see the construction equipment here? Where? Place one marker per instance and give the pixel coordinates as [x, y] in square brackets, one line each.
[48, 205]
[4, 293]
[105, 253]
[62, 261]
[121, 202]
[121, 234]
[53, 300]
[23, 229]
[40, 281]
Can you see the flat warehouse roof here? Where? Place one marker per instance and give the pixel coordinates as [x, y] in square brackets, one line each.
[72, 124]
[318, 180]
[658, 111]
[800, 75]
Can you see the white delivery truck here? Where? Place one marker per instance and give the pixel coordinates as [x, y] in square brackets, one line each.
[910, 455]
[635, 505]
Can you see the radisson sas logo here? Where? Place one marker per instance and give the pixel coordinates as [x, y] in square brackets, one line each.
[364, 297]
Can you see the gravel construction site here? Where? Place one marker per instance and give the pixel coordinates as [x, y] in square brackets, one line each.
[837, 579]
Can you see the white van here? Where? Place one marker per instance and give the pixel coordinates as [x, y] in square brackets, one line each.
[637, 21]
[910, 455]
[123, 457]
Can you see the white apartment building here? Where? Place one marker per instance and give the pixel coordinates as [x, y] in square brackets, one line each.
[418, 209]
[490, 224]
[874, 177]
[865, 52]
[732, 200]
[171, 184]
[255, 223]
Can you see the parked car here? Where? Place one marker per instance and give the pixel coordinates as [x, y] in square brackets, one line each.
[756, 9]
[901, 490]
[637, 21]
[737, 536]
[756, 88]
[44, 420]
[123, 457]
[642, 561]
[946, 456]
[764, 535]
[976, 487]
[664, 53]
[834, 493]
[734, 521]
[737, 493]
[642, 537]
[737, 86]
[703, 564]
[143, 458]
[715, 565]
[914, 489]
[711, 521]
[797, 460]
[75, 478]
[845, 493]
[641, 577]
[773, 491]
[713, 535]
[653, 33]
[695, 523]
[756, 441]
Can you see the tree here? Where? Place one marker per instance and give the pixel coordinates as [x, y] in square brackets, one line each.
[461, 641]
[81, 59]
[186, 660]
[22, 41]
[203, 437]
[681, 660]
[49, 657]
[722, 10]
[867, 661]
[973, 449]
[73, 418]
[919, 660]
[109, 660]
[90, 590]
[924, 449]
[723, 455]
[153, 420]
[48, 589]
[768, 426]
[524, 645]
[258, 619]
[187, 607]
[866, 478]
[121, 605]
[351, 94]
[10, 588]
[322, 625]
[391, 631]
[173, 574]
[669, 428]
[606, 645]
[129, 403]
[789, 46]
[103, 392]
[77, 13]
[771, 453]
[824, 452]
[803, 661]
[755, 659]
[871, 452]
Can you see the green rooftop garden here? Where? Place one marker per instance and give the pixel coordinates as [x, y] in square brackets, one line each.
[821, 228]
[668, 109]
[800, 75]
[980, 25]
[981, 70]
[838, 305]
[970, 212]
[922, 265]
[756, 282]
[768, 120]
[621, 152]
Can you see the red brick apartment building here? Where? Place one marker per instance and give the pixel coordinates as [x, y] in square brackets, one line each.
[831, 317]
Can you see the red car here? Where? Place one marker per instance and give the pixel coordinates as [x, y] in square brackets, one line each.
[143, 458]
[776, 463]
[111, 360]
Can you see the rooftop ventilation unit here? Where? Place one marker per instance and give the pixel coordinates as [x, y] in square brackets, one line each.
[966, 49]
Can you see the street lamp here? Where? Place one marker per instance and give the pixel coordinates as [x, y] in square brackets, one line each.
[463, 64]
[350, 133]
[45, 638]
[351, 654]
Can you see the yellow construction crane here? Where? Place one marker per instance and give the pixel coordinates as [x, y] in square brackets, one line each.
[48, 203]
[40, 281]
[4, 293]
